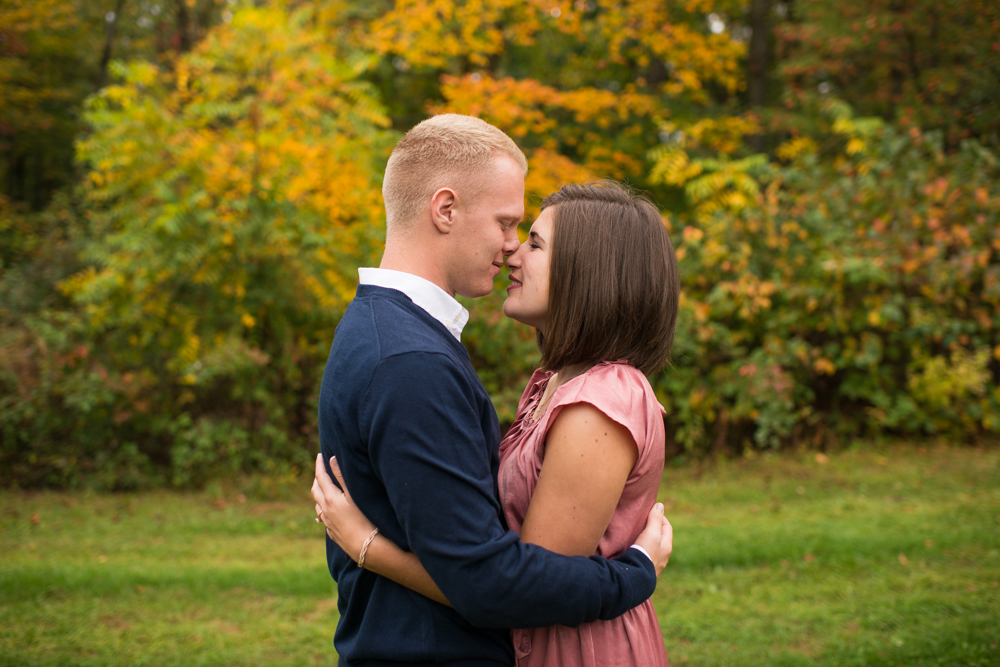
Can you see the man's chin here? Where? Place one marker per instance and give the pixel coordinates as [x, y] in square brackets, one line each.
[477, 291]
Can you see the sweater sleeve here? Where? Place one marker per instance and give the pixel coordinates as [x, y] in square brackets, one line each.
[427, 446]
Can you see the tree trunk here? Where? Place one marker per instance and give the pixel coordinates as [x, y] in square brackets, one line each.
[760, 25]
[109, 41]
[183, 27]
[760, 35]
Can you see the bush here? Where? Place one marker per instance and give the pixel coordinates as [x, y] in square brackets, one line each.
[228, 205]
[831, 298]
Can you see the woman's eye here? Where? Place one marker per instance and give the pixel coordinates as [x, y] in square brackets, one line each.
[534, 245]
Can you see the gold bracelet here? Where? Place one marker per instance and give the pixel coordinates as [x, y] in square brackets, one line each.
[364, 548]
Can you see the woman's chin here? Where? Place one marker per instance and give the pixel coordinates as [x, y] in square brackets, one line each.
[511, 313]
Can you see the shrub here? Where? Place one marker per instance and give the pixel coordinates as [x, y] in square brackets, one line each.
[852, 295]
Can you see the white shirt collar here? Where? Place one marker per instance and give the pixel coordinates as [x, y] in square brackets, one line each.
[438, 303]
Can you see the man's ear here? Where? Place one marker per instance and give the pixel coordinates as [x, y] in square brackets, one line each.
[443, 209]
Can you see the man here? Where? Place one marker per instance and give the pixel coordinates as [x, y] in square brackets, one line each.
[415, 433]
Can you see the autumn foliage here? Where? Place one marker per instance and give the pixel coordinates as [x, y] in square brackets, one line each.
[167, 307]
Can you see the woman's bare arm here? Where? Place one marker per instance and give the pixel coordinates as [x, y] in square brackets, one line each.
[349, 528]
[588, 458]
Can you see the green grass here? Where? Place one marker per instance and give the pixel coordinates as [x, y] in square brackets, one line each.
[867, 559]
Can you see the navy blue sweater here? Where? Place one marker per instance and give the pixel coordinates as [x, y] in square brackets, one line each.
[417, 440]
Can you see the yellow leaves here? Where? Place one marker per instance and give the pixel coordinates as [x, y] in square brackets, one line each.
[724, 134]
[434, 33]
[855, 145]
[843, 125]
[188, 353]
[444, 34]
[183, 73]
[939, 381]
[672, 166]
[795, 148]
[265, 154]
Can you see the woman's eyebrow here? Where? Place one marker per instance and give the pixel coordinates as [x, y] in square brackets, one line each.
[535, 235]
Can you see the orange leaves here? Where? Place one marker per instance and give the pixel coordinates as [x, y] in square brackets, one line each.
[517, 107]
[527, 107]
[751, 295]
[549, 123]
[547, 172]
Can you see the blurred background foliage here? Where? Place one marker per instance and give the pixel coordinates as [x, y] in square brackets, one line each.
[187, 188]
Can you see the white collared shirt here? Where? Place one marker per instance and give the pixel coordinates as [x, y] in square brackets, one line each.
[438, 303]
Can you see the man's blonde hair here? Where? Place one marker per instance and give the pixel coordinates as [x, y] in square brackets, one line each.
[442, 151]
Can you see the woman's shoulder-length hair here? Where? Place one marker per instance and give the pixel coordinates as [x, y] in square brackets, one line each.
[613, 280]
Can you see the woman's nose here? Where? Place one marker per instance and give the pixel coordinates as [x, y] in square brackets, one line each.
[513, 260]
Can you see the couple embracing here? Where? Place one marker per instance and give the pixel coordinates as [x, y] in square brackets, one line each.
[448, 545]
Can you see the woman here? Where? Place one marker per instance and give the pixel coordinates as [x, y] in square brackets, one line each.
[580, 467]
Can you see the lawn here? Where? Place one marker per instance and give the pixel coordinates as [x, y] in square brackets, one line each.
[859, 558]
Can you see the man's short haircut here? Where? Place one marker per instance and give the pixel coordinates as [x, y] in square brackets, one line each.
[442, 151]
[614, 287]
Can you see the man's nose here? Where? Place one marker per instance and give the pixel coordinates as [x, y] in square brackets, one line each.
[512, 242]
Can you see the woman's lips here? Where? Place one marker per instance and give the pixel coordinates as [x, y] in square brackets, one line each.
[515, 281]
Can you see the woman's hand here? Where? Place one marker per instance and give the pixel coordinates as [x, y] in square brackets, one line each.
[657, 538]
[345, 524]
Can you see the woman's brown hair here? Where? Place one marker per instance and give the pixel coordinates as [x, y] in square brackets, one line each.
[613, 280]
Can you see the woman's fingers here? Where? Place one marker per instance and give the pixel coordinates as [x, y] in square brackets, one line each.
[323, 479]
[317, 494]
[335, 467]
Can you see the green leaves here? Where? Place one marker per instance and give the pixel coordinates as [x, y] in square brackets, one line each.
[863, 285]
[230, 202]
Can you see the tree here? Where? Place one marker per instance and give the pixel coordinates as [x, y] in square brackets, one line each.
[231, 201]
[925, 63]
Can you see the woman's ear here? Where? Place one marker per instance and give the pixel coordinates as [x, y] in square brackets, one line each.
[443, 209]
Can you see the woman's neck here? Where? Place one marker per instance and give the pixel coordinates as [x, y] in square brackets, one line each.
[559, 377]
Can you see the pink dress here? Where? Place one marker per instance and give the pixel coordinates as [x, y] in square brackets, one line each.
[622, 393]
